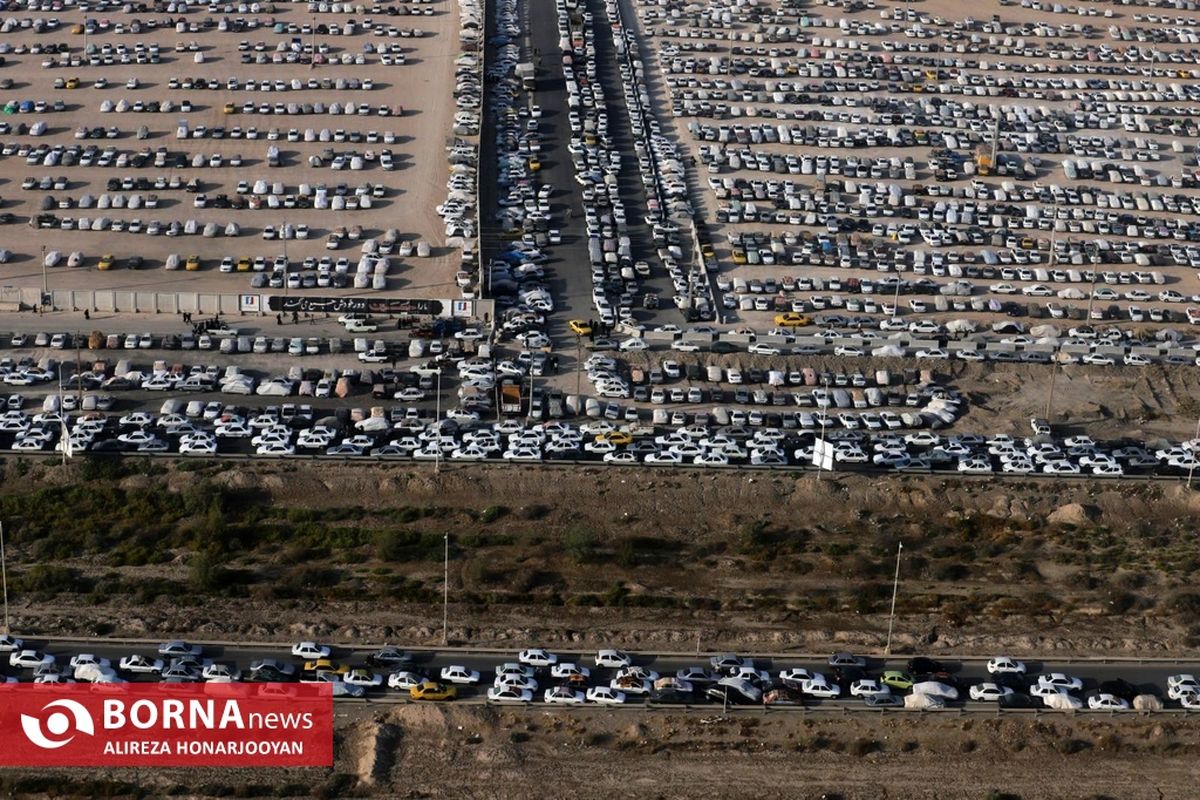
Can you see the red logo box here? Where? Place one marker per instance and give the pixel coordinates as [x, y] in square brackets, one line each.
[166, 725]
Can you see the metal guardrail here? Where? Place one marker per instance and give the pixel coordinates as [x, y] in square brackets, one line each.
[507, 651]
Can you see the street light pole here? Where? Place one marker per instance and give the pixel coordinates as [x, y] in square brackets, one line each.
[437, 424]
[446, 588]
[1192, 462]
[4, 577]
[45, 284]
[887, 648]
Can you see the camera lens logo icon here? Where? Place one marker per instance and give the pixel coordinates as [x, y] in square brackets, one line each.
[60, 726]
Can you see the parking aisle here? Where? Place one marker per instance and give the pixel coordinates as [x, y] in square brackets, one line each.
[570, 276]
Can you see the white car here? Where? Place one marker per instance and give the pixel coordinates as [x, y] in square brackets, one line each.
[612, 659]
[564, 671]
[536, 657]
[509, 694]
[1003, 665]
[404, 680]
[989, 691]
[310, 651]
[1107, 702]
[363, 677]
[868, 687]
[564, 696]
[459, 674]
[794, 676]
[820, 687]
[220, 673]
[1180, 685]
[89, 660]
[8, 643]
[517, 680]
[605, 696]
[513, 668]
[140, 664]
[29, 659]
[1058, 680]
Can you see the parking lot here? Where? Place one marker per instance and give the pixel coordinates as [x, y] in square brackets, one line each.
[911, 164]
[241, 149]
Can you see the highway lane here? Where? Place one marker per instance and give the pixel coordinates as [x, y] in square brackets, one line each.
[1149, 675]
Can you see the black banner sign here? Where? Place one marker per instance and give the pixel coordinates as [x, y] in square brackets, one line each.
[353, 305]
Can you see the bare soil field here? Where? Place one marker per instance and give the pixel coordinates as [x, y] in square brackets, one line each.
[476, 752]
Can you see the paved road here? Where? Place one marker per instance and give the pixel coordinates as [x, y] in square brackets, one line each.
[1148, 675]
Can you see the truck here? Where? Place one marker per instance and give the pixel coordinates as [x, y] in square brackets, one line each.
[510, 398]
[528, 75]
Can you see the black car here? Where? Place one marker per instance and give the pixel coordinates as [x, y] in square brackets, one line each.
[1018, 700]
[1120, 688]
[1018, 683]
[924, 666]
[848, 675]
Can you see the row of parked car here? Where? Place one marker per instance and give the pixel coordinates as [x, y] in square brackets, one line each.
[817, 438]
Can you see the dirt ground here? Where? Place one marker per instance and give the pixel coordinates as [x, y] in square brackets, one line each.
[647, 559]
[477, 752]
[460, 752]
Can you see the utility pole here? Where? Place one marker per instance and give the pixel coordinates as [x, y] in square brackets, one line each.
[1092, 296]
[820, 456]
[446, 589]
[4, 577]
[1192, 462]
[64, 444]
[578, 363]
[437, 425]
[887, 648]
[78, 380]
[1053, 375]
[45, 284]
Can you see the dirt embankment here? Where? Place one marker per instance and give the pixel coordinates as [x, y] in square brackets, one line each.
[647, 559]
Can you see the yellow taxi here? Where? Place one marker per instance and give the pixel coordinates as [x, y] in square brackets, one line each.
[791, 320]
[230, 108]
[325, 665]
[72, 83]
[106, 261]
[243, 264]
[193, 263]
[579, 327]
[432, 690]
[618, 438]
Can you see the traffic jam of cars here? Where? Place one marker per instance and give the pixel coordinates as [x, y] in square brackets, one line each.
[613, 677]
[677, 411]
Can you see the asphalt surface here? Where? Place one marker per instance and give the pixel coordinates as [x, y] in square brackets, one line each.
[570, 280]
[1149, 676]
